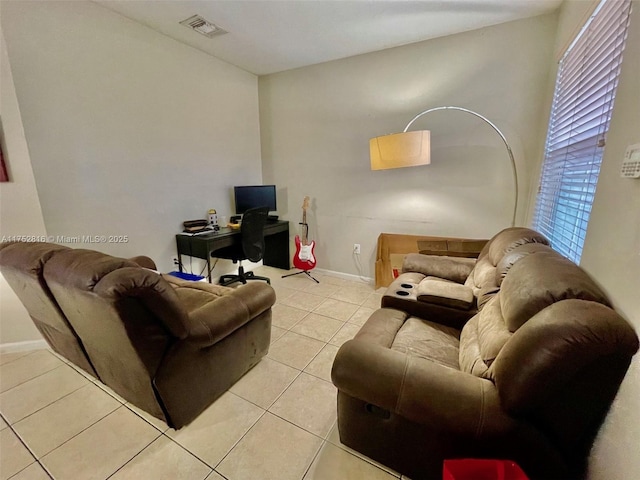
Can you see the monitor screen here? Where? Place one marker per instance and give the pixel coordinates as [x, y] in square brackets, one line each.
[251, 196]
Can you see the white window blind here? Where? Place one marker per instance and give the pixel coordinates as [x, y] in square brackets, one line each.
[582, 104]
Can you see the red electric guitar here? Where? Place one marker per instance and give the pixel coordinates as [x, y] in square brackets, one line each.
[304, 259]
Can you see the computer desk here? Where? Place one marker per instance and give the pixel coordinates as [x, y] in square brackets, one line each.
[276, 240]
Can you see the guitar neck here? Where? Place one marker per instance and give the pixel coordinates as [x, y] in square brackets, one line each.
[305, 227]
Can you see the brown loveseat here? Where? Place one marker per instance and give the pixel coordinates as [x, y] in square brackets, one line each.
[453, 288]
[529, 378]
[168, 346]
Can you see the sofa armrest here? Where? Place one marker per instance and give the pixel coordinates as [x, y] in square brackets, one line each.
[448, 294]
[217, 319]
[456, 269]
[419, 390]
[144, 262]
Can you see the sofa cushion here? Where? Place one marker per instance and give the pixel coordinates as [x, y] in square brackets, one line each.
[510, 238]
[88, 267]
[469, 357]
[484, 273]
[193, 295]
[537, 281]
[428, 340]
[510, 258]
[485, 294]
[222, 315]
[482, 339]
[449, 294]
[451, 268]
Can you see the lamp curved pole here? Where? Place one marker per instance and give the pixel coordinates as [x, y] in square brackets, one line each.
[486, 120]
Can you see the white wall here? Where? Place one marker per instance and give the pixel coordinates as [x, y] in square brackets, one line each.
[612, 255]
[20, 212]
[316, 123]
[130, 132]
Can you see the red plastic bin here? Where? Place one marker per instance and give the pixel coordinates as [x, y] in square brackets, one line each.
[482, 469]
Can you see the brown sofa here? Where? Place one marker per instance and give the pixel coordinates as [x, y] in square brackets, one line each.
[168, 346]
[453, 288]
[529, 378]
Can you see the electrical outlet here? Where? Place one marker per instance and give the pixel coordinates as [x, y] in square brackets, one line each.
[174, 261]
[356, 248]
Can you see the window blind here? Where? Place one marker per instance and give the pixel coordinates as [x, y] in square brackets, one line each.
[582, 103]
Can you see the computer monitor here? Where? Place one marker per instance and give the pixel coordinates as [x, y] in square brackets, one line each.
[251, 196]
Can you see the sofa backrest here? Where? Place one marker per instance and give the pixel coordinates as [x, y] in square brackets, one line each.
[483, 279]
[127, 317]
[537, 278]
[555, 349]
[22, 265]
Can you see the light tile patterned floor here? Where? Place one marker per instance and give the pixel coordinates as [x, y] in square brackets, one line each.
[278, 422]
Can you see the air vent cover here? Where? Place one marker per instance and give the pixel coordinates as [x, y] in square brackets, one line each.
[203, 26]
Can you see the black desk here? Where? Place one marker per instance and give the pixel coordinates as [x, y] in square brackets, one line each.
[276, 239]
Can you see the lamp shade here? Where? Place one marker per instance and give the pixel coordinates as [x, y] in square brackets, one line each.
[407, 149]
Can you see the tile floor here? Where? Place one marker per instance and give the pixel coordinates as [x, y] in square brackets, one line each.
[277, 422]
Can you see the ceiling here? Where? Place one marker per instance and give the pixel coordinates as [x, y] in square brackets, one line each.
[268, 36]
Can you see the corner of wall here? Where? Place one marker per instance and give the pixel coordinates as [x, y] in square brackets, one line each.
[20, 211]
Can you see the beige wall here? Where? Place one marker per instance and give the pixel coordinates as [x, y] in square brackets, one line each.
[316, 123]
[20, 212]
[130, 132]
[612, 255]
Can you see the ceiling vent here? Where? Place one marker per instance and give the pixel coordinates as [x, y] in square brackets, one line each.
[202, 26]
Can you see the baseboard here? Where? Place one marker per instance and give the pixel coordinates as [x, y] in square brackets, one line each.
[345, 276]
[23, 346]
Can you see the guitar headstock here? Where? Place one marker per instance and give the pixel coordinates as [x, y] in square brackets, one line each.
[305, 203]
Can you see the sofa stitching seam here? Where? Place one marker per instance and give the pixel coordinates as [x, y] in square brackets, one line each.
[401, 391]
[481, 418]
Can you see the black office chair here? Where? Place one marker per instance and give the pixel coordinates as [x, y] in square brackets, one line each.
[251, 246]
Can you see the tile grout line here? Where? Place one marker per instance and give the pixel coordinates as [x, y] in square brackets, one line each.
[75, 435]
[48, 404]
[31, 378]
[154, 441]
[36, 460]
[238, 441]
[307, 313]
[322, 440]
[21, 356]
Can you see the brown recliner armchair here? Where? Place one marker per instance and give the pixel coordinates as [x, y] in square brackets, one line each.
[456, 288]
[530, 378]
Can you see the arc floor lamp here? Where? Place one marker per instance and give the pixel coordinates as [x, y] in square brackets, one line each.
[410, 149]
